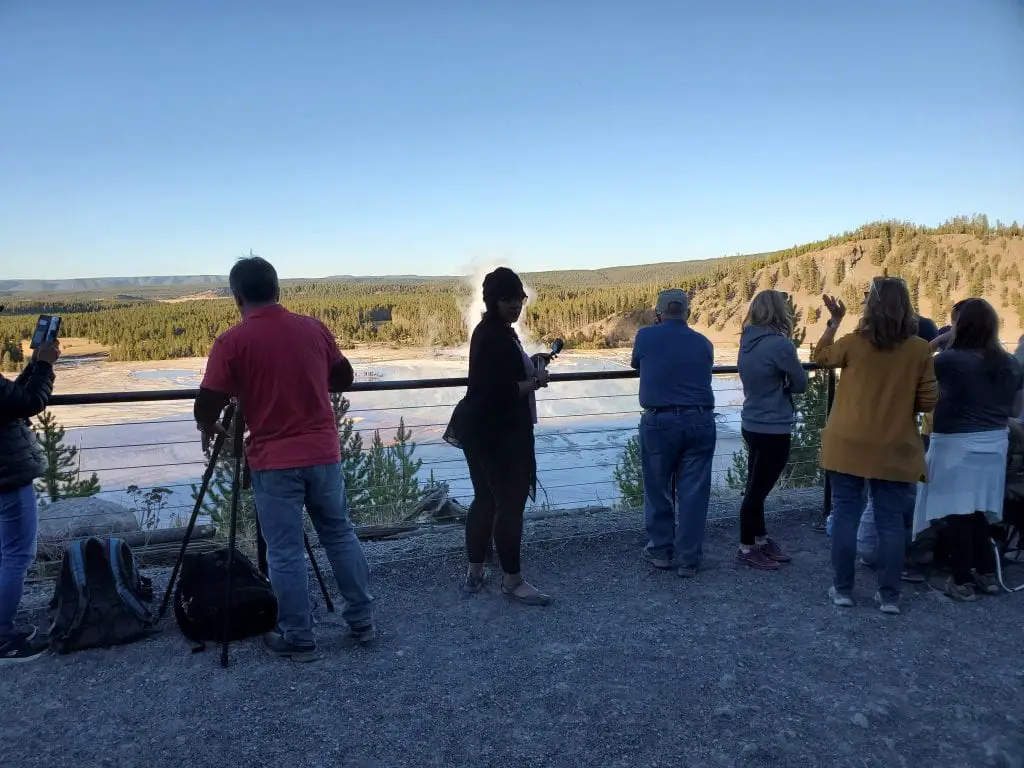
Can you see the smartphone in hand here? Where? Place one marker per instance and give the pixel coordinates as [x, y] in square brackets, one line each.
[47, 328]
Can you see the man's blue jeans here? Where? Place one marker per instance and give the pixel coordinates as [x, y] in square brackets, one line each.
[892, 502]
[280, 495]
[18, 523]
[677, 449]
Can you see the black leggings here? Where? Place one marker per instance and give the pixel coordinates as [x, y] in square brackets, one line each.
[766, 458]
[502, 474]
[968, 545]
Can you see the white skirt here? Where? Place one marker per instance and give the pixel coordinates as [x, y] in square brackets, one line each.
[966, 474]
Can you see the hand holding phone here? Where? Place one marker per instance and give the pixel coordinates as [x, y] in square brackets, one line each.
[47, 328]
[47, 352]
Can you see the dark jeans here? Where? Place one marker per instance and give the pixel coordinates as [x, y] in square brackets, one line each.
[677, 450]
[968, 545]
[893, 503]
[18, 523]
[766, 459]
[280, 496]
[501, 468]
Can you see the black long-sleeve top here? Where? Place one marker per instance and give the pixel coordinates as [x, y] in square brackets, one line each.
[496, 367]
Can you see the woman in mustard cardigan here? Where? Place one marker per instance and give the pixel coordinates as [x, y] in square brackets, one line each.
[871, 438]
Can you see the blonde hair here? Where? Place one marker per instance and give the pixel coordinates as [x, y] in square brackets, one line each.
[770, 308]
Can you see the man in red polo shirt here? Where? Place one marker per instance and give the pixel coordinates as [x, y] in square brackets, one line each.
[281, 368]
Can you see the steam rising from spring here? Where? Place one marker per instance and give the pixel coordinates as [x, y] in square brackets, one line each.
[475, 307]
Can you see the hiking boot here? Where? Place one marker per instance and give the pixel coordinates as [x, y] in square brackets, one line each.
[686, 571]
[840, 600]
[887, 606]
[756, 558]
[364, 634]
[19, 649]
[962, 593]
[986, 584]
[658, 561]
[912, 575]
[773, 551]
[281, 648]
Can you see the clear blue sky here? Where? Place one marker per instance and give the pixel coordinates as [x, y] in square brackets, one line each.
[413, 136]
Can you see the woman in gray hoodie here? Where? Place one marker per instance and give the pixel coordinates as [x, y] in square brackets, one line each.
[771, 374]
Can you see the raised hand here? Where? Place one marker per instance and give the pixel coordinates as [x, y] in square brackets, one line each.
[836, 308]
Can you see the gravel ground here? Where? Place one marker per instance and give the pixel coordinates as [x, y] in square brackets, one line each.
[630, 667]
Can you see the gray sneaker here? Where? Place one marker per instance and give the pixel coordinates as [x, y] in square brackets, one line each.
[686, 571]
[885, 606]
[277, 645]
[839, 599]
[364, 634]
[658, 561]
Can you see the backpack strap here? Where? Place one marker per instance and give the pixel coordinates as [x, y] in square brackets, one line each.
[74, 563]
[122, 567]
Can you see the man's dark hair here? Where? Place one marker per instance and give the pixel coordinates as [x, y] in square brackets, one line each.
[254, 281]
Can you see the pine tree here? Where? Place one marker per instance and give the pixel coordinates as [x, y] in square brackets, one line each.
[217, 502]
[629, 476]
[353, 457]
[12, 358]
[394, 488]
[62, 478]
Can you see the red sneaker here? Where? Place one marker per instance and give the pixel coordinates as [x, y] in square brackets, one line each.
[773, 551]
[755, 558]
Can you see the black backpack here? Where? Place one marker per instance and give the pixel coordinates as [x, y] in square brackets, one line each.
[201, 592]
[100, 599]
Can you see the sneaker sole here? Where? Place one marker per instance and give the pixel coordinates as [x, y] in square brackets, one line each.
[772, 566]
[657, 562]
[21, 659]
[840, 601]
[686, 573]
[302, 657]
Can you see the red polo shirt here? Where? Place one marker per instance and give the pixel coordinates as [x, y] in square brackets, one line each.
[277, 365]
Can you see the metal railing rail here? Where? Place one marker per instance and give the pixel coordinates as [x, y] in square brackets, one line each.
[166, 395]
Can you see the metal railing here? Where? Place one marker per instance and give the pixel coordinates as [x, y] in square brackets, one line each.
[586, 420]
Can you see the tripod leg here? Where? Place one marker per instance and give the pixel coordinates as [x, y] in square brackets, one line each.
[319, 575]
[218, 444]
[236, 483]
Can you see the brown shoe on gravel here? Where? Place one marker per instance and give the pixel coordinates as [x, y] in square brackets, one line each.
[773, 551]
[756, 558]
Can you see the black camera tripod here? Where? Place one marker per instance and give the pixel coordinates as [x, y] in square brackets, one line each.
[240, 480]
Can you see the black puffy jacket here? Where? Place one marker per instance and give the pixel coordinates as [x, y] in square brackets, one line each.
[21, 458]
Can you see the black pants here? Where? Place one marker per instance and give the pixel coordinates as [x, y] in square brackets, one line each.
[766, 458]
[501, 469]
[968, 545]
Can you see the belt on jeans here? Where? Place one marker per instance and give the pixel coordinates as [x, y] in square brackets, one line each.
[678, 409]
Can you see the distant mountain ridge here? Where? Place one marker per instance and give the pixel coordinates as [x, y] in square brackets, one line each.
[94, 284]
[587, 277]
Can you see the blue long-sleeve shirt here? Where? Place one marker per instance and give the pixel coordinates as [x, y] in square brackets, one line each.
[675, 365]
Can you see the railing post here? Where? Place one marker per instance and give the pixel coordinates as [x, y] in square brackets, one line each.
[830, 396]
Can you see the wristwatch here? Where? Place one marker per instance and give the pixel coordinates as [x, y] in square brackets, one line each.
[832, 323]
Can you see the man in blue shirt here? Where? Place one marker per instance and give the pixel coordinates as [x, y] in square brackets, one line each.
[677, 434]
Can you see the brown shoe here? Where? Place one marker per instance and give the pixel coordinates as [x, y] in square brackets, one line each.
[773, 551]
[756, 558]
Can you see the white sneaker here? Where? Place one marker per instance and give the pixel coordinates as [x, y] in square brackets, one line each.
[891, 608]
[842, 601]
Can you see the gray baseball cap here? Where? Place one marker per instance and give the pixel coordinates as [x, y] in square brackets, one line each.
[668, 297]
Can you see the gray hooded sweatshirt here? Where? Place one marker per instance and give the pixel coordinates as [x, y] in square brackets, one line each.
[771, 373]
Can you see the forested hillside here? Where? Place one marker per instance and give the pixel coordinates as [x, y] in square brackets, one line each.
[963, 257]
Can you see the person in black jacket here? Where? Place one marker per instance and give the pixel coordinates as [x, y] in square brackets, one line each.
[21, 462]
[500, 412]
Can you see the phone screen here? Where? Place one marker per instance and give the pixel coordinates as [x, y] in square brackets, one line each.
[47, 328]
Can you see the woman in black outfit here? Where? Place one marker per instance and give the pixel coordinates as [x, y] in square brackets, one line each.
[500, 409]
